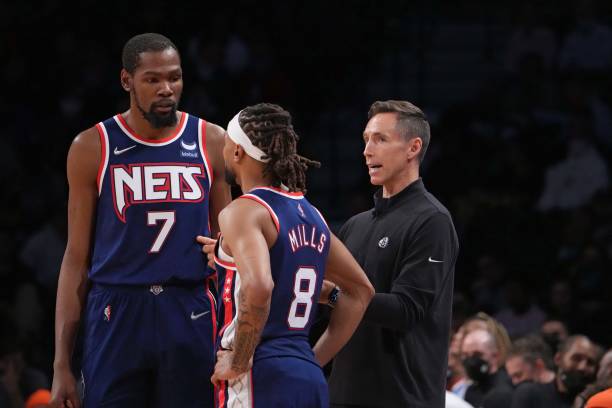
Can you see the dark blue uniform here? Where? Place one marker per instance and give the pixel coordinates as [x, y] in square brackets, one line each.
[150, 319]
[285, 372]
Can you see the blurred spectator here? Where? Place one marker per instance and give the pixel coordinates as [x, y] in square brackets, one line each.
[43, 250]
[485, 322]
[576, 363]
[457, 380]
[530, 359]
[486, 288]
[18, 381]
[522, 316]
[453, 401]
[554, 332]
[605, 367]
[480, 357]
[563, 306]
[589, 45]
[581, 100]
[598, 394]
[530, 37]
[573, 182]
[602, 399]
[589, 271]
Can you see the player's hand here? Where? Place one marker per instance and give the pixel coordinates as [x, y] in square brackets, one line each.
[208, 248]
[326, 289]
[223, 368]
[64, 391]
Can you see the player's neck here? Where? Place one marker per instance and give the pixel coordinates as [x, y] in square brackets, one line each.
[250, 181]
[144, 129]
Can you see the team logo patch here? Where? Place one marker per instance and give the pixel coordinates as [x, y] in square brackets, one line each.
[156, 289]
[107, 313]
[383, 242]
[190, 150]
[186, 146]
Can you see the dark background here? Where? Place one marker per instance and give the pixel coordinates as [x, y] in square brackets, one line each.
[518, 96]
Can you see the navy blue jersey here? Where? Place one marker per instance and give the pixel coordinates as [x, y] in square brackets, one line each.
[153, 201]
[297, 261]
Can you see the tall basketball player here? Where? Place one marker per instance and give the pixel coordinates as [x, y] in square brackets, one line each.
[274, 251]
[141, 190]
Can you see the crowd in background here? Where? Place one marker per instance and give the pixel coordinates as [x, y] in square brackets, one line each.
[518, 96]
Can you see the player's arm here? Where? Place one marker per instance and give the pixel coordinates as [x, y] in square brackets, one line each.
[243, 224]
[425, 268]
[356, 292]
[82, 168]
[220, 193]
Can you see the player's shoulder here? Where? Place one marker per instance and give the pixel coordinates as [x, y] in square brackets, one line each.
[84, 155]
[242, 209]
[214, 132]
[86, 142]
[88, 136]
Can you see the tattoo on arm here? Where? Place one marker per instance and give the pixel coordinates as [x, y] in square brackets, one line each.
[251, 320]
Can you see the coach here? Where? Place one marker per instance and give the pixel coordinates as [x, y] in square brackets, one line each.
[408, 246]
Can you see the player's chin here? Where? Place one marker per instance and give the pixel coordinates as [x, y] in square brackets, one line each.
[376, 180]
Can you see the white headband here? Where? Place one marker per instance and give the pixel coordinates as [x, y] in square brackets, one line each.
[235, 132]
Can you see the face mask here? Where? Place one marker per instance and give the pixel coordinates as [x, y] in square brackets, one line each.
[476, 368]
[575, 381]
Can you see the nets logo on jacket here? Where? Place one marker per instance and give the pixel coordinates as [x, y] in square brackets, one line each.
[141, 183]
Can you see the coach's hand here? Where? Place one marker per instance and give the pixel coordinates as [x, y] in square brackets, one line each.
[208, 248]
[223, 368]
[64, 391]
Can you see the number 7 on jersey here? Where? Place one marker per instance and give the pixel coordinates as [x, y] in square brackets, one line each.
[153, 218]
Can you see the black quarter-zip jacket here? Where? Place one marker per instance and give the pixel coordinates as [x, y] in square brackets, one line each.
[397, 357]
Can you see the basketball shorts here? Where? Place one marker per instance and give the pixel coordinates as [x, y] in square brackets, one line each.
[148, 346]
[276, 382]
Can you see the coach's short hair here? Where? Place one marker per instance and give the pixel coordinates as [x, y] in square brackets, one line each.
[147, 42]
[411, 121]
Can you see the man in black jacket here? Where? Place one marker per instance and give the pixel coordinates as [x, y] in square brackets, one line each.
[576, 363]
[408, 246]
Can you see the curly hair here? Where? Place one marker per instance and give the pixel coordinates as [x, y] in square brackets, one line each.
[269, 128]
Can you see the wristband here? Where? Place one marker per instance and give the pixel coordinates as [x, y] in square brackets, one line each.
[333, 297]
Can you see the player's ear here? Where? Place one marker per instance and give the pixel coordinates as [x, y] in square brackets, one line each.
[238, 153]
[126, 80]
[414, 147]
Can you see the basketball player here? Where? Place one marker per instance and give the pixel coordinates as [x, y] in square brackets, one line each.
[274, 251]
[141, 190]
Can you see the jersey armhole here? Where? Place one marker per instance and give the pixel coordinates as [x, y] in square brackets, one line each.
[320, 215]
[266, 206]
[204, 151]
[104, 156]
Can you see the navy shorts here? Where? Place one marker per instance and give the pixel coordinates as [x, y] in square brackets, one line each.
[276, 382]
[148, 347]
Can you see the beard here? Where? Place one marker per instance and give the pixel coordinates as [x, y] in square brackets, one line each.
[159, 120]
[230, 177]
